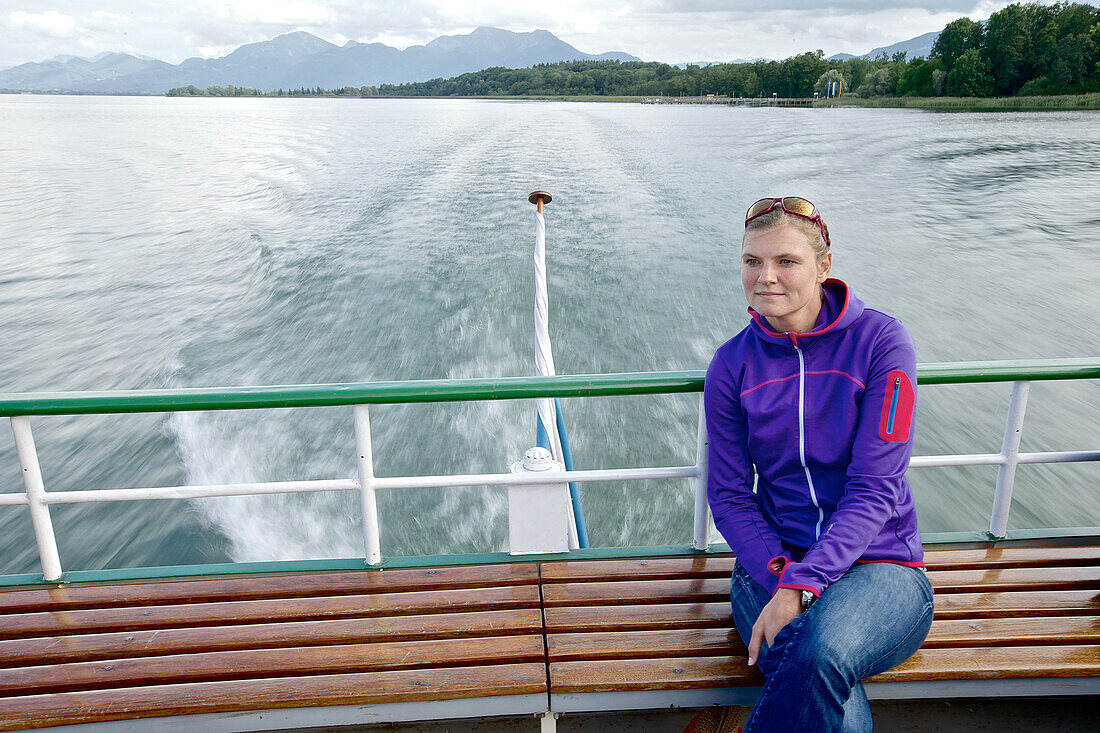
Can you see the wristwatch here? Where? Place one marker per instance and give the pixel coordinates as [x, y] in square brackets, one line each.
[808, 599]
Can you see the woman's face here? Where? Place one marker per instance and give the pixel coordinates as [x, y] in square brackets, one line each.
[782, 277]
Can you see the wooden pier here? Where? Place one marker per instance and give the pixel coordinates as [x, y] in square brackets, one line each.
[736, 101]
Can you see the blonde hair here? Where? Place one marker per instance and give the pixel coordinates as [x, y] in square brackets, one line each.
[777, 218]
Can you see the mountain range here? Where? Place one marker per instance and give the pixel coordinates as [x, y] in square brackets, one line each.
[919, 46]
[301, 59]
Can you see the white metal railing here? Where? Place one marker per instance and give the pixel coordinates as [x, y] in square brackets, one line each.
[1009, 457]
[38, 499]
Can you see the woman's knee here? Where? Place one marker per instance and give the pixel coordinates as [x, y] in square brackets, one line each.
[814, 652]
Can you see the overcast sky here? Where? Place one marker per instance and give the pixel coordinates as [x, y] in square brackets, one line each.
[654, 30]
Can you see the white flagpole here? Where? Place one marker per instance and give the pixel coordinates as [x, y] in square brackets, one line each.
[546, 425]
[546, 420]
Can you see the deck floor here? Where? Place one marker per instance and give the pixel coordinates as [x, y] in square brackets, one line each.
[1015, 715]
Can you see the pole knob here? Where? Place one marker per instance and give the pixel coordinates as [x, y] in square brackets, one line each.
[536, 195]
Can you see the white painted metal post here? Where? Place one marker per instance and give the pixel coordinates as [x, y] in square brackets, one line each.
[539, 519]
[702, 508]
[367, 497]
[548, 723]
[1010, 452]
[36, 498]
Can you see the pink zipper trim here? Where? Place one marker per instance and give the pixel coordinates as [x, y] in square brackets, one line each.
[846, 375]
[843, 309]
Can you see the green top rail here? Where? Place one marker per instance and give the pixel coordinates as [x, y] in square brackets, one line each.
[501, 388]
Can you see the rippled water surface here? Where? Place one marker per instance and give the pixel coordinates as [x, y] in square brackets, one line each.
[149, 242]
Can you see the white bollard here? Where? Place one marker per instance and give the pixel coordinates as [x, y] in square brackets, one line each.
[538, 514]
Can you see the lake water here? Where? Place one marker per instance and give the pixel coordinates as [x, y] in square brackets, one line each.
[148, 242]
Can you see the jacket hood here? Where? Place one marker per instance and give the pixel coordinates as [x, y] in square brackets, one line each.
[839, 310]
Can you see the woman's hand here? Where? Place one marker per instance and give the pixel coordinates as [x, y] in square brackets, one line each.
[780, 611]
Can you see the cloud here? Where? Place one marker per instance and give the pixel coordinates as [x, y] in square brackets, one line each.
[105, 21]
[49, 23]
[269, 12]
[658, 30]
[708, 30]
[810, 8]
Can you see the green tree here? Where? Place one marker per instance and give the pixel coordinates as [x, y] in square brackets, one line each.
[858, 69]
[1008, 38]
[876, 84]
[830, 76]
[915, 78]
[970, 76]
[955, 39]
[1071, 68]
[798, 74]
[939, 81]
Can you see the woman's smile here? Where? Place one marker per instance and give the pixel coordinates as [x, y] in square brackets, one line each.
[782, 277]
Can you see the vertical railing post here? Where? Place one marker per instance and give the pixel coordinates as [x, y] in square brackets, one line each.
[36, 498]
[365, 460]
[1010, 454]
[702, 508]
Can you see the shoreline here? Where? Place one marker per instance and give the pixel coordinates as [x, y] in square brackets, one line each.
[1062, 102]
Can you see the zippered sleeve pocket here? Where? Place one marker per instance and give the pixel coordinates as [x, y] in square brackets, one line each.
[897, 408]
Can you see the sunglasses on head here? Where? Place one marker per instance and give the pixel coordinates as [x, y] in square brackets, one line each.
[792, 205]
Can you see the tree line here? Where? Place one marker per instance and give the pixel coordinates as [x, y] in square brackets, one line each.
[232, 91]
[1024, 49]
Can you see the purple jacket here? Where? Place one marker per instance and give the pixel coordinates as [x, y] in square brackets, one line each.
[825, 418]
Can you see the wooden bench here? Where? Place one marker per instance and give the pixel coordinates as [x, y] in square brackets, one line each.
[327, 648]
[654, 633]
[275, 651]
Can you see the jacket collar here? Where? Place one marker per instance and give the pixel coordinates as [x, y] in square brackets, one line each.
[838, 311]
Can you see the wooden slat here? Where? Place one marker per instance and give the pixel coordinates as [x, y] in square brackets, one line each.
[636, 618]
[286, 585]
[367, 688]
[1013, 631]
[87, 647]
[22, 625]
[713, 642]
[928, 664]
[661, 568]
[651, 674]
[961, 581]
[710, 615]
[644, 644]
[997, 663]
[296, 662]
[1018, 603]
[1012, 557]
[715, 589]
[712, 566]
[635, 593]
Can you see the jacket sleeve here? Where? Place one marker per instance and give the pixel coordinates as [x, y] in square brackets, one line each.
[881, 448]
[730, 478]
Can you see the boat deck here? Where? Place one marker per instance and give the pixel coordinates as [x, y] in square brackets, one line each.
[264, 652]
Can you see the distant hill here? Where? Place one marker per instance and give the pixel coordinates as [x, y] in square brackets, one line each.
[704, 64]
[919, 46]
[301, 59]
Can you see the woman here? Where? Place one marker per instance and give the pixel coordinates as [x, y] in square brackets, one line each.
[812, 404]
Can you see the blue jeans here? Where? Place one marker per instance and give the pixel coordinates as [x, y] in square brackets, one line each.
[871, 620]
